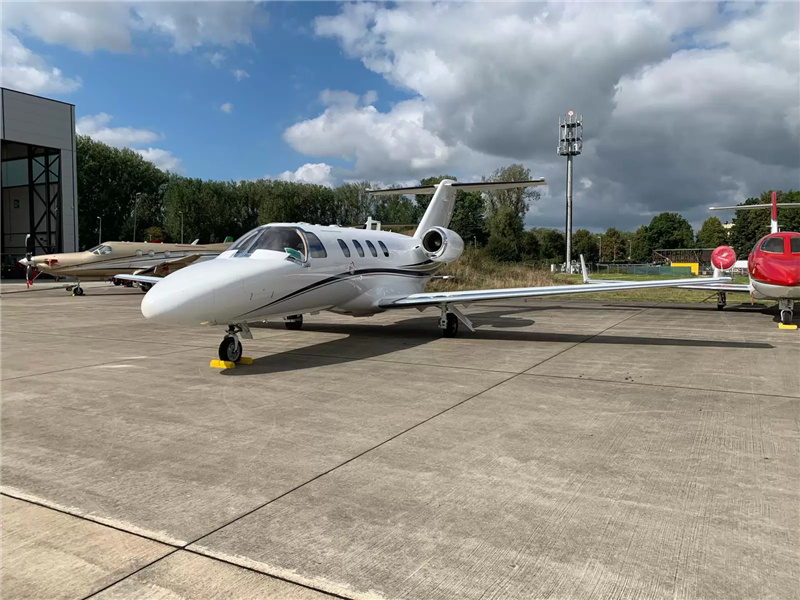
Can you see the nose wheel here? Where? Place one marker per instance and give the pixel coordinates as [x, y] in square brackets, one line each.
[787, 307]
[230, 349]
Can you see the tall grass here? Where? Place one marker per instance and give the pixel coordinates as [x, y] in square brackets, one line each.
[476, 270]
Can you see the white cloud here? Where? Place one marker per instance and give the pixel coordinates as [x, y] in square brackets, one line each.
[318, 173]
[163, 159]
[240, 74]
[227, 108]
[88, 26]
[683, 105]
[113, 26]
[96, 127]
[215, 58]
[26, 71]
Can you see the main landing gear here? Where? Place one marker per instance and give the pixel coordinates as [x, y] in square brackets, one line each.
[294, 322]
[787, 307]
[448, 321]
[76, 289]
[722, 300]
[230, 350]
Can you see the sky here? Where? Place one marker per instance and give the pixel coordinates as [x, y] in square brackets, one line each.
[685, 105]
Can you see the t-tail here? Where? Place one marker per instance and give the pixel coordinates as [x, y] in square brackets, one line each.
[440, 210]
[773, 206]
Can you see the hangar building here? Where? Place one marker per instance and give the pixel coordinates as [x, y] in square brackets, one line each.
[39, 188]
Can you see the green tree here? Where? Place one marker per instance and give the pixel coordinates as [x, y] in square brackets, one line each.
[109, 181]
[516, 199]
[505, 235]
[669, 231]
[749, 226]
[530, 246]
[552, 244]
[712, 234]
[641, 251]
[468, 218]
[612, 246]
[584, 242]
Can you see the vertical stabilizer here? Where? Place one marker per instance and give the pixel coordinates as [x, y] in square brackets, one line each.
[773, 224]
[440, 210]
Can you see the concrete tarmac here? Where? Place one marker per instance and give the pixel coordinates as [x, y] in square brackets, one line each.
[566, 449]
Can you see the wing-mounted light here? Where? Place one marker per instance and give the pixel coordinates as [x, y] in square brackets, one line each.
[443, 245]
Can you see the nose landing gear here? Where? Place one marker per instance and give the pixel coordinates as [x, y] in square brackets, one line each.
[722, 300]
[230, 350]
[787, 310]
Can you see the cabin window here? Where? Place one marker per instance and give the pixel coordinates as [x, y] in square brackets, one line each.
[384, 248]
[359, 249]
[773, 245]
[794, 243]
[372, 248]
[345, 249]
[315, 247]
[101, 249]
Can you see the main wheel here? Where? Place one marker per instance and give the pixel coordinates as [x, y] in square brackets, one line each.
[786, 317]
[452, 326]
[294, 323]
[230, 349]
[720, 306]
[116, 281]
[78, 291]
[145, 287]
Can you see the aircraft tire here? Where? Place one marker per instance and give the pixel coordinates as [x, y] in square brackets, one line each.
[295, 324]
[786, 317]
[451, 330]
[78, 291]
[230, 349]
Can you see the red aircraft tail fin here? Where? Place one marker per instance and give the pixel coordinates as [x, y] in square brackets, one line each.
[773, 224]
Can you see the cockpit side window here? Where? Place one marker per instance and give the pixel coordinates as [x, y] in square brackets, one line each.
[794, 243]
[315, 247]
[773, 245]
[101, 249]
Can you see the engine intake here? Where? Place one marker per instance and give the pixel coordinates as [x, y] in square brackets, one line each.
[441, 244]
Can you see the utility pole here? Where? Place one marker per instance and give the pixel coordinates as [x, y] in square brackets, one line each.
[135, 204]
[600, 235]
[181, 227]
[570, 143]
[100, 230]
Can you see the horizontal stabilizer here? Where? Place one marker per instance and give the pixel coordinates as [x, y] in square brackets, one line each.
[478, 186]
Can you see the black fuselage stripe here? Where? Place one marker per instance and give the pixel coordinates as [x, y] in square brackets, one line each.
[341, 277]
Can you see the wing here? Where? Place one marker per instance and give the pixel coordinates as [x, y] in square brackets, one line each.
[166, 267]
[139, 278]
[439, 298]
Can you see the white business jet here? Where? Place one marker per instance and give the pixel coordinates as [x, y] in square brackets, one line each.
[286, 270]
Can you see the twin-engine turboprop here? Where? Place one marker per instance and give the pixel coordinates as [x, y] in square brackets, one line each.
[286, 270]
[773, 264]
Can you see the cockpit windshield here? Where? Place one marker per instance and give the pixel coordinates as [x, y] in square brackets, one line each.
[270, 238]
[101, 249]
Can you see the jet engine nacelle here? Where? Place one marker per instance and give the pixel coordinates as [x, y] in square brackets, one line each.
[442, 245]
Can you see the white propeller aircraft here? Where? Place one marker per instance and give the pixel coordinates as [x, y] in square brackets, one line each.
[286, 270]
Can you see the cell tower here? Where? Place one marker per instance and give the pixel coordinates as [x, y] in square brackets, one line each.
[570, 143]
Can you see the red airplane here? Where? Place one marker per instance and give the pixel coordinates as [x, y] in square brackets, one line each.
[773, 265]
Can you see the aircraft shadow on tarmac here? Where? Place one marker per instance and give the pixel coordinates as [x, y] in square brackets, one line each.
[366, 340]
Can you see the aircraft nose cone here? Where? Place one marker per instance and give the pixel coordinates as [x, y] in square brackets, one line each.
[172, 302]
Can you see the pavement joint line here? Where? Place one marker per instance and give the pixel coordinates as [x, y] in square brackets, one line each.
[589, 338]
[111, 362]
[659, 385]
[295, 488]
[175, 548]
